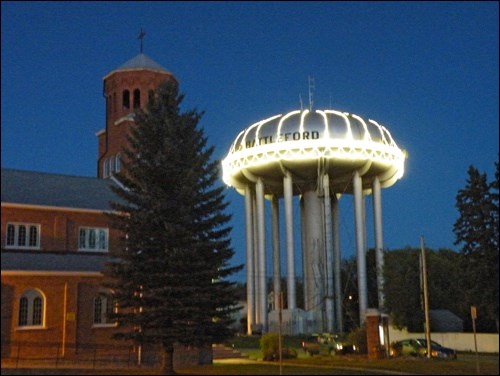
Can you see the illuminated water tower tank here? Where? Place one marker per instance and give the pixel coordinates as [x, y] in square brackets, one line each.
[317, 156]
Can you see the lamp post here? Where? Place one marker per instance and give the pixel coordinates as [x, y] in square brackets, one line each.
[426, 298]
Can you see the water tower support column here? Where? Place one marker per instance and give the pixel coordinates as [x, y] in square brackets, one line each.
[314, 264]
[290, 257]
[261, 250]
[336, 262]
[249, 198]
[276, 252]
[329, 255]
[379, 243]
[360, 246]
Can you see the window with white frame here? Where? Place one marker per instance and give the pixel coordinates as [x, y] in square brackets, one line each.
[23, 235]
[105, 169]
[31, 309]
[93, 239]
[104, 307]
[111, 165]
[118, 162]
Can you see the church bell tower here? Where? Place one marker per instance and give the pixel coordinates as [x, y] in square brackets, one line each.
[125, 89]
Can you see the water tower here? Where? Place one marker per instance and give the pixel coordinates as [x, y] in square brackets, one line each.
[316, 157]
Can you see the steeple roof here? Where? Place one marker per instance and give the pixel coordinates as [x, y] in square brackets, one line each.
[141, 61]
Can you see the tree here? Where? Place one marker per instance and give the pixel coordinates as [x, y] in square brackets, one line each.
[445, 282]
[170, 280]
[476, 230]
[495, 225]
[402, 288]
[349, 291]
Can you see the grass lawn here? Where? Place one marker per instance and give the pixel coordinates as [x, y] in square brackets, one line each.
[304, 364]
[465, 364]
[320, 365]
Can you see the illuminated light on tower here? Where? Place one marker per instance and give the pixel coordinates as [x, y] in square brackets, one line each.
[318, 156]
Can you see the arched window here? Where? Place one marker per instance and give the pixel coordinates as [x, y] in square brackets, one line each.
[23, 235]
[137, 98]
[104, 306]
[126, 99]
[31, 308]
[105, 169]
[118, 163]
[111, 165]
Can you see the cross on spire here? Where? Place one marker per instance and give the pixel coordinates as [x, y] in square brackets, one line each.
[141, 37]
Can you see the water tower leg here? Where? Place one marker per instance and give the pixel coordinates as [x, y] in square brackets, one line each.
[261, 249]
[276, 253]
[360, 246]
[379, 242]
[290, 256]
[329, 255]
[249, 195]
[337, 263]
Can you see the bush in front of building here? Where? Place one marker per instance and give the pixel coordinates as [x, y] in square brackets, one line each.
[269, 345]
[357, 337]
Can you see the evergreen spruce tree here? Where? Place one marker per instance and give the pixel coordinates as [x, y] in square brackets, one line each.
[476, 231]
[495, 227]
[170, 281]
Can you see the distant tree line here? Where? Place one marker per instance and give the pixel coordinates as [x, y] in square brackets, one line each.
[476, 231]
[456, 280]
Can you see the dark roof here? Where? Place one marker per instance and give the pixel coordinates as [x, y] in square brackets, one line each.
[443, 320]
[53, 262]
[46, 189]
[141, 61]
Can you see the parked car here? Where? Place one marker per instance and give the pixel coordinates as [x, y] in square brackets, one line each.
[340, 348]
[330, 344]
[418, 347]
[311, 346]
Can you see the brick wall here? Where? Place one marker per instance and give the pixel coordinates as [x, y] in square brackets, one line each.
[59, 228]
[112, 141]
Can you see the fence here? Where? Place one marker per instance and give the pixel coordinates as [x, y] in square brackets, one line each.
[486, 342]
[17, 354]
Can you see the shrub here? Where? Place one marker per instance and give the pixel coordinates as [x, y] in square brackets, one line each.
[269, 345]
[358, 338]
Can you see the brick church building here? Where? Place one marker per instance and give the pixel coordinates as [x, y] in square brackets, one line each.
[56, 239]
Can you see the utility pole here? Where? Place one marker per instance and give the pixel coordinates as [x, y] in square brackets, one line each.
[426, 298]
[473, 314]
[279, 332]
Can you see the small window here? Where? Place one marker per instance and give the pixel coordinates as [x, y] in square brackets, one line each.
[33, 237]
[118, 163]
[104, 307]
[105, 169]
[111, 165]
[31, 309]
[137, 98]
[126, 99]
[93, 239]
[23, 235]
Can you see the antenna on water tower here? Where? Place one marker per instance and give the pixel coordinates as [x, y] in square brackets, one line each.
[311, 88]
[301, 105]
